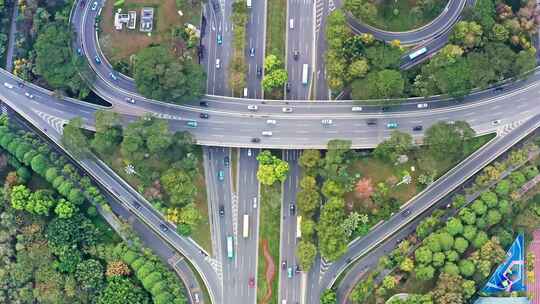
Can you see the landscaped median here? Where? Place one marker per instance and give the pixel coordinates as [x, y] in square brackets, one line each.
[272, 172]
[238, 68]
[162, 166]
[275, 75]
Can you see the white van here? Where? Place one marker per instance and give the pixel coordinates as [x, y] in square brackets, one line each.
[245, 92]
[357, 109]
[291, 23]
[266, 133]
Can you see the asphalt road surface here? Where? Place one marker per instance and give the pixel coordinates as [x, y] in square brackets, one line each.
[300, 41]
[256, 38]
[289, 286]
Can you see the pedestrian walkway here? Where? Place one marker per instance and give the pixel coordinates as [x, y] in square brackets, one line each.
[533, 284]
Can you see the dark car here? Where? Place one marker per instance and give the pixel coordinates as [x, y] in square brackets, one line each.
[292, 208]
[203, 103]
[288, 86]
[499, 89]
[226, 161]
[163, 227]
[296, 53]
[385, 109]
[259, 72]
[136, 205]
[283, 264]
[255, 140]
[417, 128]
[221, 210]
[297, 269]
[371, 123]
[204, 116]
[406, 212]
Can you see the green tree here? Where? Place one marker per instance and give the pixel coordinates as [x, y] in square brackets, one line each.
[423, 255]
[89, 274]
[461, 245]
[121, 290]
[306, 252]
[466, 268]
[159, 75]
[328, 297]
[310, 158]
[180, 186]
[424, 273]
[73, 137]
[467, 33]
[399, 143]
[55, 60]
[446, 141]
[332, 239]
[454, 226]
[384, 84]
[64, 209]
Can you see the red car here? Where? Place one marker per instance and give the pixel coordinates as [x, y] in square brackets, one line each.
[251, 282]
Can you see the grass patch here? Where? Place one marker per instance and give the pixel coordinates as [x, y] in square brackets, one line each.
[234, 167]
[405, 19]
[120, 45]
[380, 171]
[201, 232]
[276, 27]
[269, 230]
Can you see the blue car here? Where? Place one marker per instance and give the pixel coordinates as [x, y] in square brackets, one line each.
[221, 175]
[392, 125]
[98, 61]
[219, 39]
[191, 124]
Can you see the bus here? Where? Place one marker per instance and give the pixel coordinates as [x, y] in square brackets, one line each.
[305, 74]
[298, 226]
[230, 253]
[417, 53]
[248, 3]
[246, 226]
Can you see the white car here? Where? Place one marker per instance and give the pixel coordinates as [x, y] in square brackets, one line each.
[326, 122]
[255, 203]
[357, 109]
[496, 122]
[286, 110]
[266, 133]
[291, 23]
[218, 63]
[249, 152]
[271, 121]
[27, 94]
[130, 100]
[422, 105]
[94, 5]
[8, 85]
[253, 107]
